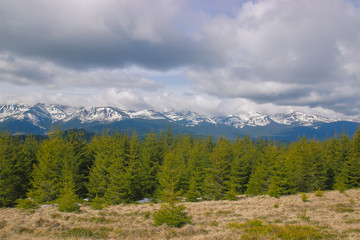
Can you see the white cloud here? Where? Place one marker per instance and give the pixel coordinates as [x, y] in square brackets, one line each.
[287, 52]
[264, 55]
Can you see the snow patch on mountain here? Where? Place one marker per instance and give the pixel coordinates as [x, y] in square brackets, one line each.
[146, 114]
[189, 118]
[98, 114]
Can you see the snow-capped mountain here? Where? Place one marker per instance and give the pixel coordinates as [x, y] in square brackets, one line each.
[97, 114]
[38, 118]
[189, 118]
[57, 113]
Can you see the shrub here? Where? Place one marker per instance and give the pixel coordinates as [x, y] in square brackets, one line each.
[68, 206]
[68, 202]
[26, 204]
[304, 197]
[98, 203]
[319, 193]
[172, 215]
[304, 216]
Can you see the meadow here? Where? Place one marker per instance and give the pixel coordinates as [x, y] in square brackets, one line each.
[317, 215]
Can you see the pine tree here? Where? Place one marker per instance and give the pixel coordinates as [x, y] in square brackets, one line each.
[82, 153]
[198, 162]
[281, 181]
[68, 200]
[258, 183]
[26, 160]
[125, 177]
[219, 173]
[10, 181]
[169, 177]
[244, 159]
[53, 155]
[106, 151]
[310, 172]
[260, 179]
[349, 175]
[152, 156]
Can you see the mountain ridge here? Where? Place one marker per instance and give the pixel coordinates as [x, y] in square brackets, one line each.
[42, 116]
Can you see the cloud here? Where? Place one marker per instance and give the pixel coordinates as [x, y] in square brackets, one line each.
[287, 53]
[22, 71]
[108, 34]
[208, 56]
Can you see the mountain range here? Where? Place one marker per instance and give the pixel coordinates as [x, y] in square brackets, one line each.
[38, 119]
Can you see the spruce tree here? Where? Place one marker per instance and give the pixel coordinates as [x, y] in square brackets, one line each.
[10, 180]
[197, 165]
[106, 151]
[218, 177]
[126, 176]
[54, 153]
[260, 179]
[152, 156]
[68, 200]
[282, 181]
[169, 177]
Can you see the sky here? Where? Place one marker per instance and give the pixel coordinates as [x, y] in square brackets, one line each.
[214, 57]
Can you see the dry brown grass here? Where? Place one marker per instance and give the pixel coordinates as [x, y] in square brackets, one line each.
[334, 214]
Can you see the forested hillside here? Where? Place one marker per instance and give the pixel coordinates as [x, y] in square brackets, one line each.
[118, 168]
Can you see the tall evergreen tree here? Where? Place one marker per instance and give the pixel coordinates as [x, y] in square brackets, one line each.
[169, 177]
[198, 162]
[349, 175]
[152, 156]
[282, 181]
[219, 173]
[126, 179]
[11, 186]
[53, 155]
[107, 150]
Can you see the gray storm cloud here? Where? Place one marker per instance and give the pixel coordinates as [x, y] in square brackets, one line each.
[108, 34]
[274, 53]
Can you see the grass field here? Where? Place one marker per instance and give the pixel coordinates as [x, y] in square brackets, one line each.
[333, 215]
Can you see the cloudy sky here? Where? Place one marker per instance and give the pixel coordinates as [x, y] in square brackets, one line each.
[209, 56]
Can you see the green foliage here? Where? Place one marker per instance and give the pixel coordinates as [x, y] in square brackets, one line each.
[98, 203]
[219, 174]
[304, 216]
[57, 160]
[125, 175]
[304, 197]
[118, 169]
[15, 170]
[68, 201]
[101, 233]
[170, 175]
[172, 215]
[256, 229]
[26, 204]
[342, 208]
[319, 193]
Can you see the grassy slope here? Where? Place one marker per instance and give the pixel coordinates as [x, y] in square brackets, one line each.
[334, 215]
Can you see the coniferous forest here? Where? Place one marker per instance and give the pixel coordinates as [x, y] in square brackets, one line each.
[118, 168]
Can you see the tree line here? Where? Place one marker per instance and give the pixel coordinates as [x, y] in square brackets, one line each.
[118, 168]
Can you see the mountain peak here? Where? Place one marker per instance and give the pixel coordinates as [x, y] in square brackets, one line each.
[42, 115]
